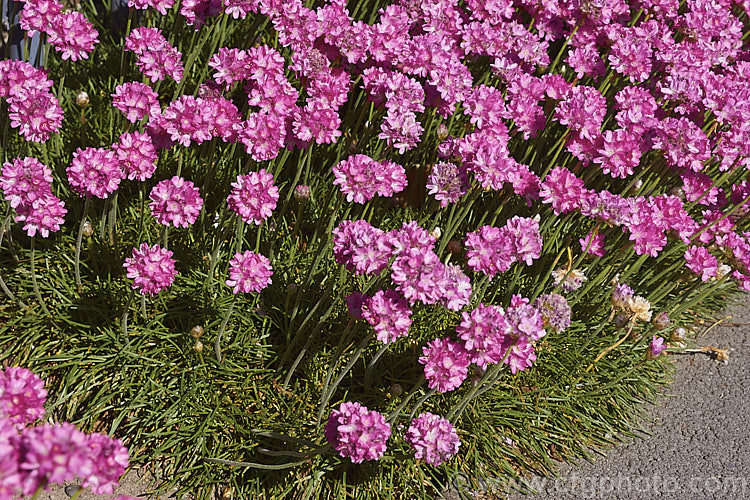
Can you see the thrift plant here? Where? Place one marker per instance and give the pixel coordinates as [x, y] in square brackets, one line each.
[324, 248]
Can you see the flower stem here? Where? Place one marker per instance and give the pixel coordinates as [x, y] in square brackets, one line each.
[217, 346]
[33, 277]
[78, 243]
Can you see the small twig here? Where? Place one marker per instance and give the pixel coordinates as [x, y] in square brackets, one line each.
[721, 355]
[613, 346]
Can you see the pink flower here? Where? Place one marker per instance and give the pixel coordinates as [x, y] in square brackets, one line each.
[446, 364]
[135, 100]
[655, 347]
[39, 15]
[433, 438]
[35, 112]
[249, 272]
[521, 355]
[484, 332]
[357, 433]
[22, 396]
[43, 215]
[360, 178]
[161, 6]
[254, 196]
[447, 182]
[95, 172]
[72, 34]
[597, 245]
[156, 57]
[702, 262]
[151, 268]
[389, 314]
[109, 460]
[361, 247]
[137, 155]
[175, 201]
[25, 180]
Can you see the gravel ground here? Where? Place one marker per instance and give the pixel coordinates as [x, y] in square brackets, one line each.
[697, 448]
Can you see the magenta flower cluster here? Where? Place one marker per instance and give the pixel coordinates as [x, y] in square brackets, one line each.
[416, 270]
[388, 313]
[360, 178]
[433, 438]
[136, 101]
[27, 186]
[156, 57]
[357, 433]
[151, 268]
[95, 172]
[254, 196]
[249, 272]
[70, 33]
[492, 250]
[32, 457]
[175, 202]
[31, 106]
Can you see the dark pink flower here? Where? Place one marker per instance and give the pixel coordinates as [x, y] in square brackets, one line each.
[137, 155]
[433, 438]
[446, 364]
[357, 433]
[254, 196]
[95, 172]
[73, 35]
[22, 396]
[249, 272]
[360, 178]
[135, 100]
[152, 269]
[175, 202]
[389, 314]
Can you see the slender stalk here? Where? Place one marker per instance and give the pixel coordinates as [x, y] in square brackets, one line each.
[79, 240]
[223, 327]
[33, 277]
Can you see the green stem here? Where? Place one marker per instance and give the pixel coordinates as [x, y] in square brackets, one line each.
[217, 345]
[33, 278]
[79, 240]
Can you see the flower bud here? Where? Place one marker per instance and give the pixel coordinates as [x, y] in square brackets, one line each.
[442, 132]
[302, 193]
[661, 321]
[198, 347]
[678, 335]
[197, 331]
[291, 289]
[82, 99]
[396, 390]
[454, 246]
[88, 229]
[436, 233]
[621, 320]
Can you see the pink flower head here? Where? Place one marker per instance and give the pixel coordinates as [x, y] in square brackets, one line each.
[357, 433]
[10, 444]
[361, 247]
[254, 196]
[484, 332]
[433, 438]
[52, 454]
[521, 355]
[73, 35]
[389, 314]
[161, 6]
[563, 190]
[39, 15]
[175, 201]
[489, 250]
[446, 364]
[597, 245]
[156, 57]
[360, 178]
[22, 396]
[701, 262]
[135, 100]
[43, 215]
[655, 347]
[555, 311]
[249, 272]
[35, 112]
[109, 460]
[137, 155]
[524, 320]
[25, 180]
[151, 268]
[95, 172]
